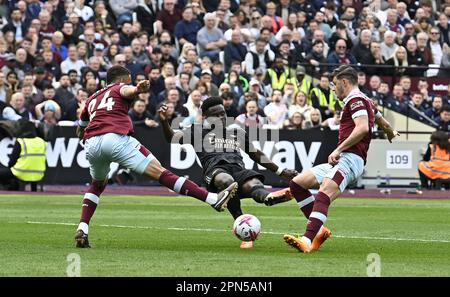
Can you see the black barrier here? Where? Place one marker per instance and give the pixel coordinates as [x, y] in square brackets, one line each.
[67, 164]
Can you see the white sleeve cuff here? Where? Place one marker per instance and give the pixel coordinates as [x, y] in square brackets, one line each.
[359, 113]
[378, 115]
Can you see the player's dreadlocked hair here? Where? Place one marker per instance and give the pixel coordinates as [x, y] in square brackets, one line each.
[210, 102]
[348, 72]
[116, 72]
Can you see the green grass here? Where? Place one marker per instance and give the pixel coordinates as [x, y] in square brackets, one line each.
[160, 236]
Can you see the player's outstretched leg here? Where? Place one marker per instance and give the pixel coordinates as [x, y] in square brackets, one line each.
[299, 188]
[255, 189]
[90, 202]
[186, 187]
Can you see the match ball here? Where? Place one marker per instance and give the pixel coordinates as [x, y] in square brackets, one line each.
[247, 227]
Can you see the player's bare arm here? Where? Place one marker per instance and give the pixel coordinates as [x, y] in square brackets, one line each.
[361, 129]
[80, 132]
[131, 92]
[261, 158]
[169, 134]
[387, 128]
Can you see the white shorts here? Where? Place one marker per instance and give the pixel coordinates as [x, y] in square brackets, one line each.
[347, 171]
[103, 149]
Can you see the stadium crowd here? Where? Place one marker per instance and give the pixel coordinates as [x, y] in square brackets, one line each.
[268, 60]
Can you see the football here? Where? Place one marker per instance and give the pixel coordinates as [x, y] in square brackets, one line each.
[247, 227]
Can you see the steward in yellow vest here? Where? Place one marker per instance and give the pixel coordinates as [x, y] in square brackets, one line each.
[27, 162]
[30, 166]
[279, 74]
[324, 98]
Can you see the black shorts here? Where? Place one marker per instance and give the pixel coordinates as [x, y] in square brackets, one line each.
[239, 174]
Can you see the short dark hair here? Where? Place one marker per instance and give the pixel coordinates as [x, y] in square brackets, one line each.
[211, 102]
[348, 72]
[116, 72]
[445, 108]
[72, 71]
[82, 90]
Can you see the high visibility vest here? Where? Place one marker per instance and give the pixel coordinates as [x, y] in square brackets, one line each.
[305, 87]
[331, 102]
[278, 83]
[439, 165]
[30, 166]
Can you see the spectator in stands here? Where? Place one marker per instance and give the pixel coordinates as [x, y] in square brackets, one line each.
[423, 48]
[434, 111]
[259, 56]
[234, 50]
[63, 95]
[301, 105]
[374, 85]
[423, 86]
[187, 28]
[229, 104]
[418, 103]
[324, 98]
[398, 61]
[276, 111]
[377, 59]
[48, 112]
[277, 21]
[210, 39]
[388, 46]
[435, 45]
[250, 118]
[5, 92]
[332, 123]
[444, 70]
[193, 107]
[139, 53]
[11, 66]
[436, 161]
[444, 28]
[75, 107]
[341, 33]
[398, 101]
[340, 56]
[361, 51]
[17, 109]
[316, 59]
[294, 122]
[415, 58]
[314, 121]
[21, 60]
[444, 119]
[405, 81]
[362, 80]
[123, 10]
[140, 116]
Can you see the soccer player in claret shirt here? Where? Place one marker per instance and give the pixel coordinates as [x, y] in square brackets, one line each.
[106, 127]
[345, 163]
[218, 148]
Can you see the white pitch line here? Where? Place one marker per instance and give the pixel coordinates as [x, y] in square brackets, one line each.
[223, 230]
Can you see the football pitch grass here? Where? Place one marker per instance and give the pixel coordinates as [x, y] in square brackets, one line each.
[177, 236]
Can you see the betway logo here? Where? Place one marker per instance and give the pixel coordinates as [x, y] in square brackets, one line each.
[282, 153]
[67, 153]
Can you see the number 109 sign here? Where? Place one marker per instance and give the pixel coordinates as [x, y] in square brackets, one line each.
[398, 159]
